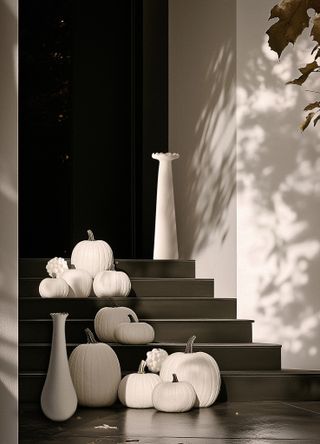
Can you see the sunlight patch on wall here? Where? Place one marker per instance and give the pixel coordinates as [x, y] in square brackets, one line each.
[278, 172]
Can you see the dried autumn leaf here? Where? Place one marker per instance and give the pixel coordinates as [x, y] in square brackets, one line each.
[316, 120]
[306, 122]
[315, 31]
[305, 71]
[312, 106]
[293, 19]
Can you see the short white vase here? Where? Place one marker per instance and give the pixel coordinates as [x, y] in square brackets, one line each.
[58, 397]
[165, 236]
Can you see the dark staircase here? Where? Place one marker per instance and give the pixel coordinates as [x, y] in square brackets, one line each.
[168, 296]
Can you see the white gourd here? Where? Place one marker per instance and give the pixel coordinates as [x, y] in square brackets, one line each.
[95, 372]
[135, 390]
[111, 283]
[79, 281]
[155, 358]
[56, 266]
[54, 288]
[199, 369]
[108, 318]
[174, 396]
[92, 255]
[133, 332]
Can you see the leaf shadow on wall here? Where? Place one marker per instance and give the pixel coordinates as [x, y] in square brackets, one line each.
[205, 175]
[8, 233]
[279, 197]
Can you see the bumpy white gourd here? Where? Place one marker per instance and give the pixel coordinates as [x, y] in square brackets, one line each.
[133, 332]
[111, 283]
[54, 288]
[135, 390]
[95, 372]
[199, 369]
[174, 396]
[108, 318]
[92, 255]
[56, 266]
[79, 281]
[155, 358]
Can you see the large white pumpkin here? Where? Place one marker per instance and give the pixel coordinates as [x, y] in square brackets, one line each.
[79, 281]
[199, 369]
[108, 318]
[95, 372]
[135, 390]
[92, 255]
[111, 283]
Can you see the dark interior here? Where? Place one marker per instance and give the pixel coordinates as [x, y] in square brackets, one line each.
[92, 108]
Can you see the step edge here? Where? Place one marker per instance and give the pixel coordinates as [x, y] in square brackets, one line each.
[167, 344]
[212, 320]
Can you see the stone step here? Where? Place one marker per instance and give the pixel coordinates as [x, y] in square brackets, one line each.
[249, 356]
[272, 385]
[143, 287]
[145, 307]
[166, 330]
[36, 267]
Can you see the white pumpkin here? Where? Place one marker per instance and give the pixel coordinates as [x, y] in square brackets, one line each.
[111, 283]
[155, 358]
[79, 281]
[199, 369]
[92, 255]
[135, 390]
[134, 332]
[54, 288]
[107, 319]
[95, 372]
[174, 396]
[56, 266]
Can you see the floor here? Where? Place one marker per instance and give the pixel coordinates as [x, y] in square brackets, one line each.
[236, 422]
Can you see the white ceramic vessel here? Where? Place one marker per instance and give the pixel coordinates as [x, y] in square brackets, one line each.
[165, 236]
[58, 397]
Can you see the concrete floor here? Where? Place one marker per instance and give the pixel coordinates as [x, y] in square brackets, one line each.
[236, 422]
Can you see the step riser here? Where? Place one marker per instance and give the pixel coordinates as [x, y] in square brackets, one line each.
[144, 288]
[35, 358]
[165, 331]
[144, 307]
[134, 268]
[262, 388]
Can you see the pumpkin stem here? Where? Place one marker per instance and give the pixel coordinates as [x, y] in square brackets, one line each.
[141, 368]
[189, 344]
[132, 319]
[54, 275]
[90, 336]
[174, 378]
[90, 235]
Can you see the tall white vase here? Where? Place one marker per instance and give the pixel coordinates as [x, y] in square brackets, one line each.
[165, 236]
[58, 397]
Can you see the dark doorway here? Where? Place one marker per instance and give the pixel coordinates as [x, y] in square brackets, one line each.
[92, 108]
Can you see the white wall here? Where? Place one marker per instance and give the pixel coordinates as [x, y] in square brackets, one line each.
[202, 128]
[278, 194]
[8, 218]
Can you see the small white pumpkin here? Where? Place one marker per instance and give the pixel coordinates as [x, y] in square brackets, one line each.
[155, 358]
[54, 288]
[95, 372]
[199, 369]
[135, 390]
[174, 396]
[92, 255]
[79, 281]
[107, 319]
[111, 283]
[134, 332]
